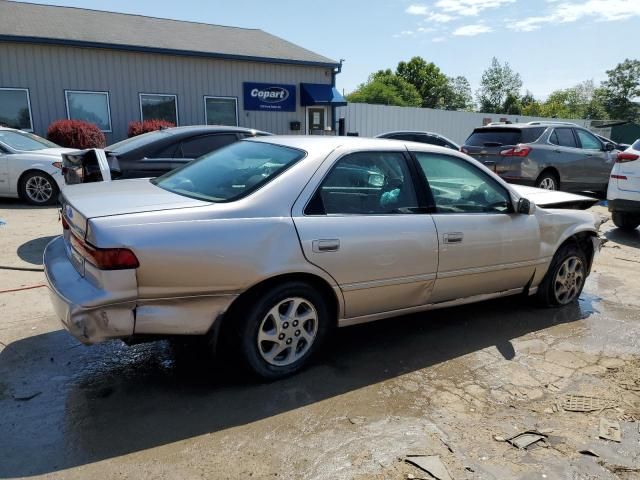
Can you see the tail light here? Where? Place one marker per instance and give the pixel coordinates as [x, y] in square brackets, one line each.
[517, 151]
[105, 258]
[619, 177]
[626, 157]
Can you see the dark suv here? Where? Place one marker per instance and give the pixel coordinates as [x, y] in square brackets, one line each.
[550, 155]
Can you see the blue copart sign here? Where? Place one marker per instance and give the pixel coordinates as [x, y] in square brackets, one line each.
[269, 96]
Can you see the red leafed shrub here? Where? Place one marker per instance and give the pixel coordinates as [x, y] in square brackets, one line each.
[138, 128]
[76, 134]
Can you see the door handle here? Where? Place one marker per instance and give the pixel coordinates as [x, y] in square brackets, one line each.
[326, 245]
[454, 237]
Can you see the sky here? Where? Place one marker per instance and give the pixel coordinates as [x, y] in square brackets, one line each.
[553, 44]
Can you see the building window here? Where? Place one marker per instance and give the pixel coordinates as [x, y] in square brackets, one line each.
[90, 107]
[159, 107]
[221, 111]
[15, 108]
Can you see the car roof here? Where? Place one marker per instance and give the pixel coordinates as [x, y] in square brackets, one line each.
[394, 132]
[211, 129]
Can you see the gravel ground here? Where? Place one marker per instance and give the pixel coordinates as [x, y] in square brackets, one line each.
[453, 383]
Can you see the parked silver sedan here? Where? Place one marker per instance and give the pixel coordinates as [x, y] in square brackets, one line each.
[269, 243]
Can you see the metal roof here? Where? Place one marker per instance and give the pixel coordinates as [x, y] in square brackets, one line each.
[34, 23]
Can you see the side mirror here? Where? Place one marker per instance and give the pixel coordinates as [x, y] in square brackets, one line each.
[525, 207]
[609, 147]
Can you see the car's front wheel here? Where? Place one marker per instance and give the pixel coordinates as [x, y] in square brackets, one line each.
[281, 330]
[626, 221]
[38, 188]
[565, 278]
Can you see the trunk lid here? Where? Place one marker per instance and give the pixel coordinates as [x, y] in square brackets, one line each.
[101, 199]
[555, 199]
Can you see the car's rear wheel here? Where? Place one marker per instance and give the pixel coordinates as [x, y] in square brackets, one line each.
[548, 181]
[38, 188]
[565, 278]
[626, 221]
[279, 332]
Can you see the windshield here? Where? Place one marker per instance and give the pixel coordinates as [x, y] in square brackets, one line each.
[231, 172]
[26, 142]
[132, 143]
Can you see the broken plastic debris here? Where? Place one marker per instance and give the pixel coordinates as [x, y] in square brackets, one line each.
[526, 439]
[357, 420]
[610, 430]
[583, 403]
[430, 464]
[589, 452]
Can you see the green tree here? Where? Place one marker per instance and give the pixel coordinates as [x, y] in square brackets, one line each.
[580, 101]
[512, 104]
[458, 96]
[499, 82]
[385, 88]
[621, 88]
[432, 85]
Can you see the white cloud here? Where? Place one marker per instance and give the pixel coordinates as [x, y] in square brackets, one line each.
[417, 9]
[438, 39]
[440, 17]
[568, 12]
[472, 30]
[469, 7]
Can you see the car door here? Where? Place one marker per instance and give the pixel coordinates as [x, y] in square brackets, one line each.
[365, 226]
[597, 163]
[566, 157]
[485, 247]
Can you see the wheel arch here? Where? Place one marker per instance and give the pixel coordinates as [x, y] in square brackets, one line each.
[584, 241]
[552, 170]
[328, 291]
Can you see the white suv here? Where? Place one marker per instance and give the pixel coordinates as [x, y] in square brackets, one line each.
[623, 194]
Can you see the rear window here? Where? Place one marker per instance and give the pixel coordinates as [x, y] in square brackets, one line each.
[636, 145]
[132, 143]
[497, 137]
[231, 172]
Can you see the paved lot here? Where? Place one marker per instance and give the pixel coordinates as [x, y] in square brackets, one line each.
[452, 383]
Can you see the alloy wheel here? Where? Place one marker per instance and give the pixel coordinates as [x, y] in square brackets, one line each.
[287, 331]
[569, 279]
[39, 189]
[547, 183]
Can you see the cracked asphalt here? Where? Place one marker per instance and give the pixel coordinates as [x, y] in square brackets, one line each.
[456, 383]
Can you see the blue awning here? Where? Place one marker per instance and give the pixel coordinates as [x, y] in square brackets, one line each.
[318, 94]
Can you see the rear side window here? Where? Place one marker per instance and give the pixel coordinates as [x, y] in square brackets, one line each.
[366, 183]
[494, 137]
[198, 146]
[530, 135]
[563, 137]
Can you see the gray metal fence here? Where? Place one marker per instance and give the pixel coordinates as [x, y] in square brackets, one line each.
[371, 120]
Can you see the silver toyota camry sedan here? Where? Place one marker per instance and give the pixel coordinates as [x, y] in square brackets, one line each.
[269, 243]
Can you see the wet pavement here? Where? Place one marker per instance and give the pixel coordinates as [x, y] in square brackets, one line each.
[455, 383]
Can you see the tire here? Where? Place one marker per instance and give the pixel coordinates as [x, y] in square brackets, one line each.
[626, 221]
[38, 188]
[261, 331]
[568, 260]
[548, 181]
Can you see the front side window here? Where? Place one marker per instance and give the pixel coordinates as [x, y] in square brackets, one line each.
[221, 111]
[92, 107]
[588, 141]
[231, 172]
[24, 142]
[159, 107]
[366, 183]
[15, 108]
[563, 137]
[459, 187]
